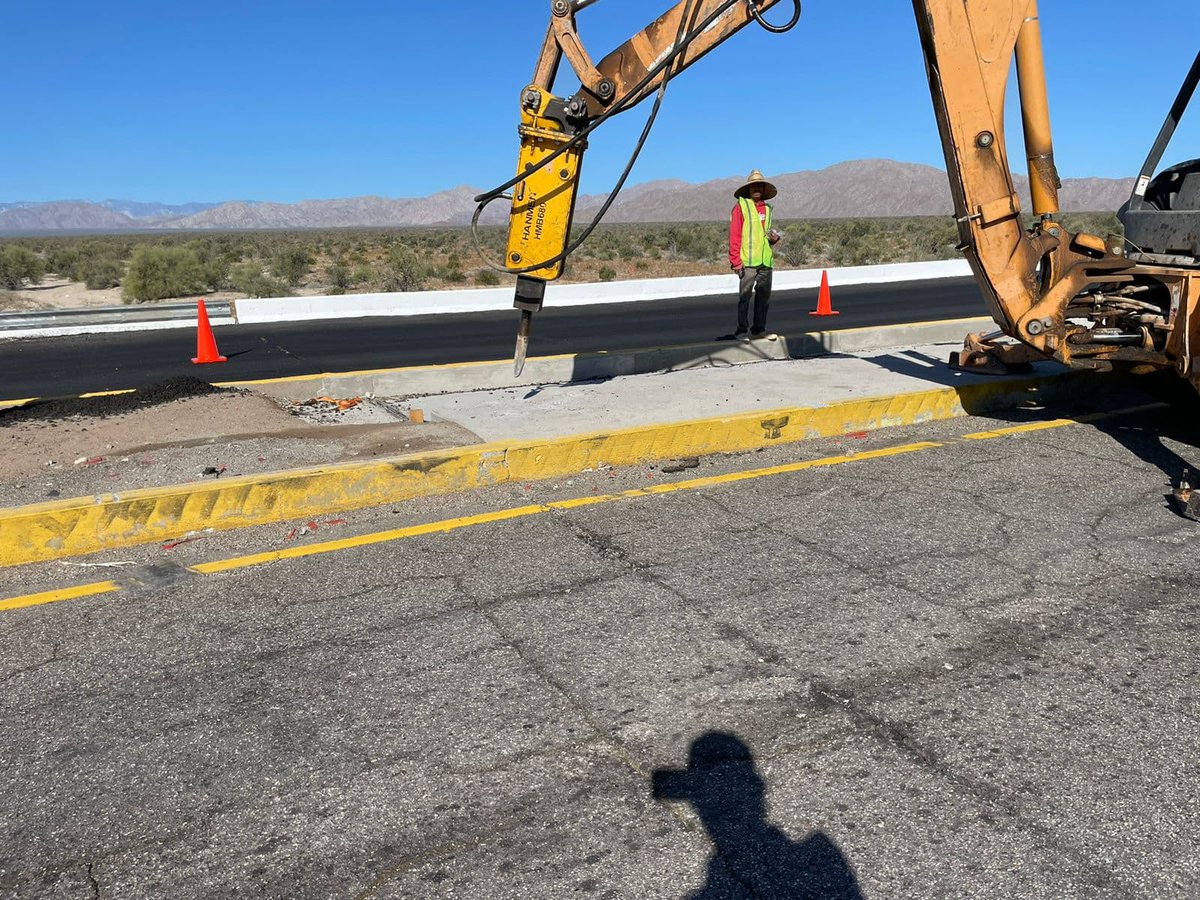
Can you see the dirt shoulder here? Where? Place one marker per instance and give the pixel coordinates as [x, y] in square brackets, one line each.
[185, 430]
[58, 293]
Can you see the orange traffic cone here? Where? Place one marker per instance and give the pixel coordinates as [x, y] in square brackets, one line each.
[824, 305]
[206, 344]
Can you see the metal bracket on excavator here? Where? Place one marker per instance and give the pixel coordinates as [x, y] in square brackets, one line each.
[983, 355]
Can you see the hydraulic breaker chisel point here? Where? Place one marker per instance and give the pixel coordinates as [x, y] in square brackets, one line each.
[522, 342]
[530, 294]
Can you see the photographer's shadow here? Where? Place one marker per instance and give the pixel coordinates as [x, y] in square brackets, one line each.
[752, 858]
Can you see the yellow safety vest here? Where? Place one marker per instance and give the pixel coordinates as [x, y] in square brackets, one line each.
[756, 250]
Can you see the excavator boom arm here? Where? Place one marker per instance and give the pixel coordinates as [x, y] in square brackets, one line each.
[1074, 297]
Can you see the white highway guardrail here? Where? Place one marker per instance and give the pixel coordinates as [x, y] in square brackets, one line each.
[105, 315]
[419, 303]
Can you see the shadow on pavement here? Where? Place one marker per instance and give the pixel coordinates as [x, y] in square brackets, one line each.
[1144, 435]
[932, 369]
[717, 354]
[1141, 434]
[752, 858]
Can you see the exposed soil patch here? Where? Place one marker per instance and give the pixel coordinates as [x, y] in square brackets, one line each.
[183, 430]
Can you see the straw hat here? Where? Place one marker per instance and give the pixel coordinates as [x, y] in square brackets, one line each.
[756, 177]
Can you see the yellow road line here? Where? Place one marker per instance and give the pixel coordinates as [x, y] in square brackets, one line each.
[380, 537]
[4, 404]
[447, 525]
[71, 593]
[1059, 423]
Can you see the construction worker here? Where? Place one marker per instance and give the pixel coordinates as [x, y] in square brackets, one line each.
[751, 237]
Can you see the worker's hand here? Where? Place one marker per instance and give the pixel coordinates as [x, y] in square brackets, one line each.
[773, 237]
[739, 270]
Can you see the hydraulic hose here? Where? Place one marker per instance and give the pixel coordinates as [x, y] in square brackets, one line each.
[774, 29]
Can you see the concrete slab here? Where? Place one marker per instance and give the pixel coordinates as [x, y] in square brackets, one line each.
[627, 402]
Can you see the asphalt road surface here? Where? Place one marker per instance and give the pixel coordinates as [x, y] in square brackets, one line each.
[965, 670]
[40, 367]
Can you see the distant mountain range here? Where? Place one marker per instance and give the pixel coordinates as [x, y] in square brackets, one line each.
[856, 189]
[131, 209]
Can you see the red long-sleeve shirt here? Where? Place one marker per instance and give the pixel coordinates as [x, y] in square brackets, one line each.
[735, 231]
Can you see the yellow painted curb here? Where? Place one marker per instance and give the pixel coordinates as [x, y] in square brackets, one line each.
[85, 525]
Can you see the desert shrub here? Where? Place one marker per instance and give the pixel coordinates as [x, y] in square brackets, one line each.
[213, 259]
[63, 261]
[451, 271]
[487, 278]
[403, 269]
[100, 272]
[99, 264]
[156, 273]
[338, 276]
[607, 273]
[290, 264]
[19, 264]
[249, 279]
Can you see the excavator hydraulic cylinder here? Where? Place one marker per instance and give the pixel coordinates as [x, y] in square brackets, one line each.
[1035, 116]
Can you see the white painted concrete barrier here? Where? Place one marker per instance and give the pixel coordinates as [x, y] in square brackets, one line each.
[417, 303]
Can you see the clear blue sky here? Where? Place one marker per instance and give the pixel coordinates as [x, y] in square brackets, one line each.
[268, 100]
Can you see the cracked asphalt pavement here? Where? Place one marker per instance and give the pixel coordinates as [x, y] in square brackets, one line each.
[969, 671]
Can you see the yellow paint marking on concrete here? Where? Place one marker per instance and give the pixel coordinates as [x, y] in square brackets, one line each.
[403, 370]
[447, 525]
[71, 593]
[83, 525]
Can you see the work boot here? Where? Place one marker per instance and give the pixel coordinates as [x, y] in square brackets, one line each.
[763, 335]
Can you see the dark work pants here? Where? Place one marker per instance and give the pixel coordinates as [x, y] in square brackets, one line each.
[756, 284]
